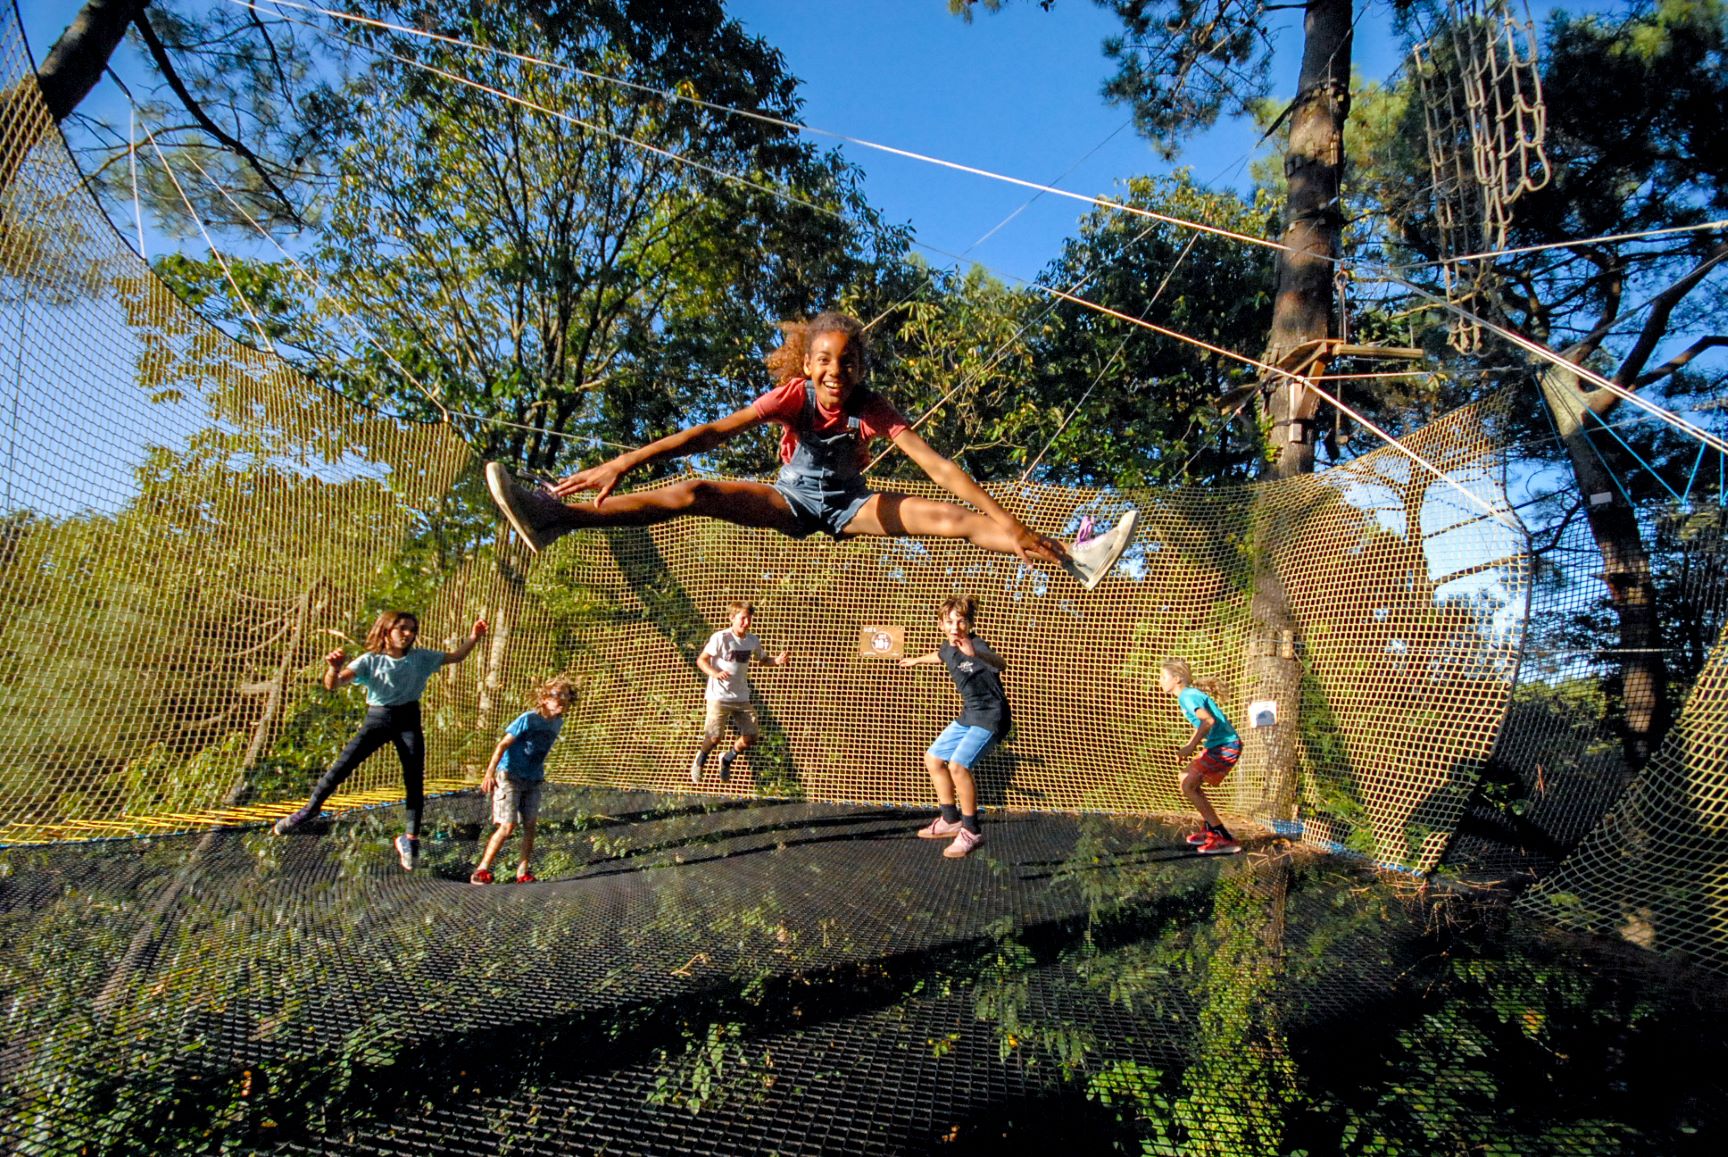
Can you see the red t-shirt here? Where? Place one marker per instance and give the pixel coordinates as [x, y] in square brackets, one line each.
[877, 418]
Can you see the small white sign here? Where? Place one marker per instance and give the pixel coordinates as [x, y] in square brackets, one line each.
[1263, 713]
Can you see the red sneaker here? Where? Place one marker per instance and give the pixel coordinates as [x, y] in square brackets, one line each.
[1218, 844]
[481, 876]
[527, 877]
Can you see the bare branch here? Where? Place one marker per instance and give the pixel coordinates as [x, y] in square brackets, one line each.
[160, 55]
[1679, 360]
[1661, 309]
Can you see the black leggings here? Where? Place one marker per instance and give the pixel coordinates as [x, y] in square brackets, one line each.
[399, 725]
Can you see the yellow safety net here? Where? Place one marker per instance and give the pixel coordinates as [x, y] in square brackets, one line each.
[190, 523]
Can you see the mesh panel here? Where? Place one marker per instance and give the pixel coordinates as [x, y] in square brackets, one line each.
[735, 979]
[214, 517]
[1410, 651]
[184, 518]
[1655, 872]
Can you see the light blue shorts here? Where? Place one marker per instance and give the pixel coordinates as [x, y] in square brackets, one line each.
[961, 744]
[816, 506]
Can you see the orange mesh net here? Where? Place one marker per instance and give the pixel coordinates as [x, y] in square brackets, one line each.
[188, 524]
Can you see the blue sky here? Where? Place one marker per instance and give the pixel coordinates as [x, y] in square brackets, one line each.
[1017, 92]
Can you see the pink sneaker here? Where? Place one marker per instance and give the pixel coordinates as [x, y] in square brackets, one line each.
[938, 829]
[964, 842]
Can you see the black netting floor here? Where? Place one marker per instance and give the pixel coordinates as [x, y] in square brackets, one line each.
[706, 976]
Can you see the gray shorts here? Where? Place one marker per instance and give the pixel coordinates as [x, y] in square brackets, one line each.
[816, 506]
[516, 801]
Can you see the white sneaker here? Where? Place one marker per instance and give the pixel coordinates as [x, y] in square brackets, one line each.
[1091, 560]
[530, 511]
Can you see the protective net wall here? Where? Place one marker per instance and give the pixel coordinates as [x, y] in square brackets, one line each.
[1655, 871]
[1404, 602]
[191, 524]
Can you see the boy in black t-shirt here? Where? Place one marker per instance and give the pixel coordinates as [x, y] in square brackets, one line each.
[984, 719]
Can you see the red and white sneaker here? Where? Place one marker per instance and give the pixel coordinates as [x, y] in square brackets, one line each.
[526, 877]
[1218, 844]
[481, 876]
[963, 845]
[938, 829]
[1195, 839]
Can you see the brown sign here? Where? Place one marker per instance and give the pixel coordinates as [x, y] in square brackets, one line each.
[882, 642]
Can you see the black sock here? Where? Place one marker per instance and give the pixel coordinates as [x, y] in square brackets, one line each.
[950, 813]
[970, 823]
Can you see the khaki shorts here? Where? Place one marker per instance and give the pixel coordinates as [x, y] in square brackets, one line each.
[516, 801]
[741, 715]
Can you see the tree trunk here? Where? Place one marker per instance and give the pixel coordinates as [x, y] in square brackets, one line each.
[70, 71]
[1625, 569]
[1313, 220]
[1301, 313]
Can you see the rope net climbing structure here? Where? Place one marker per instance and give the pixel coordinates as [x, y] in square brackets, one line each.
[191, 524]
[1482, 101]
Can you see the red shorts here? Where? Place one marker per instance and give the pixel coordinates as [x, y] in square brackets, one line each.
[1215, 763]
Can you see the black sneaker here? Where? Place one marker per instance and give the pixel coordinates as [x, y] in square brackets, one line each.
[531, 511]
[288, 823]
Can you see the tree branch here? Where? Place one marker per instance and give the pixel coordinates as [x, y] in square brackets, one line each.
[1661, 309]
[1679, 360]
[160, 55]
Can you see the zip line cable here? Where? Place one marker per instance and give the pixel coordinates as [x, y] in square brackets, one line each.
[1387, 272]
[892, 150]
[1264, 367]
[1268, 368]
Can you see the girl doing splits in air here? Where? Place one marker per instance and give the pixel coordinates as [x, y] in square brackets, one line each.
[830, 420]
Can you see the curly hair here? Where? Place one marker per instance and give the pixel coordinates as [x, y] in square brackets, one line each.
[787, 362]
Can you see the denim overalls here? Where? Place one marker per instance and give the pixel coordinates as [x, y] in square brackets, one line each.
[823, 483]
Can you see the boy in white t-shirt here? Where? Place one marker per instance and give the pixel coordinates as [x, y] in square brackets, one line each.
[726, 661]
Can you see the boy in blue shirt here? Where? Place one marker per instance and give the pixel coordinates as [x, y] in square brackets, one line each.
[516, 776]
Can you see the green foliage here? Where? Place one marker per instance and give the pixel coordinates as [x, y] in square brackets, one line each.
[1143, 409]
[577, 263]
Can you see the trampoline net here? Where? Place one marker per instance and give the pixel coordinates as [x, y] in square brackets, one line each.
[190, 523]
